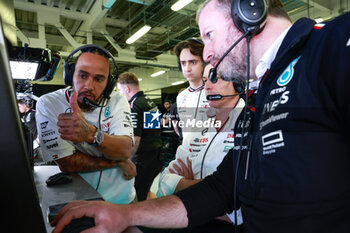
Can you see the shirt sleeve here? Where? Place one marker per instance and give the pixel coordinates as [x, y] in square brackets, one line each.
[168, 181]
[137, 120]
[335, 71]
[52, 146]
[122, 121]
[212, 197]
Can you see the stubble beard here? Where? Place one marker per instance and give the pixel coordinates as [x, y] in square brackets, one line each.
[234, 66]
[84, 107]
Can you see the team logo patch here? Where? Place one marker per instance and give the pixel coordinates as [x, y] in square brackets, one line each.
[43, 125]
[287, 74]
[151, 120]
[107, 112]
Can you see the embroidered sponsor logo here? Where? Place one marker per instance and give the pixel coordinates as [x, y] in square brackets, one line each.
[230, 135]
[228, 141]
[203, 140]
[204, 131]
[48, 133]
[43, 125]
[49, 140]
[107, 111]
[288, 73]
[52, 146]
[271, 106]
[272, 141]
[105, 126]
[194, 144]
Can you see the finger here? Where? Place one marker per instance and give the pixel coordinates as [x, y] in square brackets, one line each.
[184, 167]
[178, 169]
[72, 213]
[95, 229]
[73, 101]
[64, 210]
[172, 171]
[65, 115]
[189, 165]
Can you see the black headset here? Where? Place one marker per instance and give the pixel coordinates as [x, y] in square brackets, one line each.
[249, 15]
[27, 101]
[239, 87]
[194, 40]
[69, 68]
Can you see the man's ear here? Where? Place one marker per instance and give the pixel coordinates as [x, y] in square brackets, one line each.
[128, 89]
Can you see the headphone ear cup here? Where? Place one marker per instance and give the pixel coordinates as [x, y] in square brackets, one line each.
[112, 80]
[239, 87]
[68, 73]
[249, 15]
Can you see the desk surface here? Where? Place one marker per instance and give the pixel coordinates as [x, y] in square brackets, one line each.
[79, 189]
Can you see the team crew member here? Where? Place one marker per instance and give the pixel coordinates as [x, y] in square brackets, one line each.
[94, 141]
[295, 176]
[28, 117]
[146, 151]
[191, 103]
[204, 151]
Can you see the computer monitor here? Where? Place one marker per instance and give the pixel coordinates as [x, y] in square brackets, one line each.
[19, 202]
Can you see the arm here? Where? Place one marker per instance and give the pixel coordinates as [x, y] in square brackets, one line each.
[187, 173]
[74, 127]
[79, 162]
[214, 194]
[137, 140]
[168, 212]
[177, 175]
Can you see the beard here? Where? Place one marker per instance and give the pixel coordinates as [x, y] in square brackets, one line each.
[83, 106]
[233, 67]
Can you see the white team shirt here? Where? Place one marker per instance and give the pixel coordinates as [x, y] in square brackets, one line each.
[191, 104]
[208, 147]
[114, 120]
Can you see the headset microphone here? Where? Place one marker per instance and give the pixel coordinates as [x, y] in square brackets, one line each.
[213, 78]
[219, 97]
[89, 102]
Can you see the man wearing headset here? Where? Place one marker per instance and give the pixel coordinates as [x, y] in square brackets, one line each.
[28, 115]
[200, 155]
[94, 141]
[293, 168]
[191, 103]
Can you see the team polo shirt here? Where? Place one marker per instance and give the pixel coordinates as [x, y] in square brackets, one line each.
[114, 120]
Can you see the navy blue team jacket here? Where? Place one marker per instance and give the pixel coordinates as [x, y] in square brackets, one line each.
[296, 176]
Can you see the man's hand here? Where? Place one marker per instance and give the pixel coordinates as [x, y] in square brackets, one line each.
[185, 170]
[128, 168]
[108, 217]
[73, 126]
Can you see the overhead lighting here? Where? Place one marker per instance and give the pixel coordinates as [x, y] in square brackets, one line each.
[177, 83]
[180, 4]
[158, 73]
[140, 79]
[142, 31]
[319, 20]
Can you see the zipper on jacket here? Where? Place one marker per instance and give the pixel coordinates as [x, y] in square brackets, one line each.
[248, 159]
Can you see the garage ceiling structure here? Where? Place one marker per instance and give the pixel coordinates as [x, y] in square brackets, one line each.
[62, 25]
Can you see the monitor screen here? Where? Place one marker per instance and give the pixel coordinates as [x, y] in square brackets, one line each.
[19, 199]
[24, 69]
